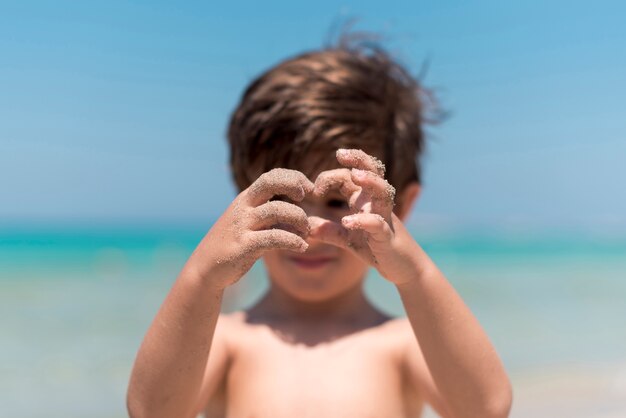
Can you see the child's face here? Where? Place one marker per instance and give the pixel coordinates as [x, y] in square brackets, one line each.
[324, 271]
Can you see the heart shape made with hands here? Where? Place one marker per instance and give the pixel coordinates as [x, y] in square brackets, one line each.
[266, 216]
[370, 198]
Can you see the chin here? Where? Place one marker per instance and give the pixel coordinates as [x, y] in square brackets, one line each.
[311, 288]
[317, 276]
[312, 296]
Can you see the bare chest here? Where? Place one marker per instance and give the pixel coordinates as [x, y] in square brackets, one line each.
[356, 376]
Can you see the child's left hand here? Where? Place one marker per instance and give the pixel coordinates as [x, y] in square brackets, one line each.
[373, 231]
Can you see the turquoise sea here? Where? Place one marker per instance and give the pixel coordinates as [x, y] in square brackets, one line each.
[76, 301]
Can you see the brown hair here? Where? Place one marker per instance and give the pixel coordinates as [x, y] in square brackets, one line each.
[346, 96]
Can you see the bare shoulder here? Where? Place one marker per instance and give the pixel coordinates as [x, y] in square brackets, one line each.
[401, 330]
[232, 319]
[394, 336]
[400, 324]
[399, 333]
[233, 327]
[231, 323]
[398, 328]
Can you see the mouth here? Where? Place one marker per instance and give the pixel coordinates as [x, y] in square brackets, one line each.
[312, 262]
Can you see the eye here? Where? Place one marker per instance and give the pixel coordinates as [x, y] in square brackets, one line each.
[337, 204]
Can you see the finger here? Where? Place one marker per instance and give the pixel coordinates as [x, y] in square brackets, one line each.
[279, 181]
[335, 234]
[355, 158]
[282, 215]
[382, 193]
[272, 239]
[328, 232]
[338, 179]
[372, 223]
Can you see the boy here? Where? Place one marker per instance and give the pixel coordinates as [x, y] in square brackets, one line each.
[306, 141]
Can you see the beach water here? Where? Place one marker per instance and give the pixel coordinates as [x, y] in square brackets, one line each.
[75, 303]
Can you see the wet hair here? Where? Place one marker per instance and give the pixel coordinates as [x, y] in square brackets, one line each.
[351, 95]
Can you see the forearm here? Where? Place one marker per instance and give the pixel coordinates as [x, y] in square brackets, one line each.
[171, 363]
[169, 368]
[460, 357]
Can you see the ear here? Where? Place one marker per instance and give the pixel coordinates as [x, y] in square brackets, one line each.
[406, 199]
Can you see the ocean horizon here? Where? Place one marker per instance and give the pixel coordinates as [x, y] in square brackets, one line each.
[76, 301]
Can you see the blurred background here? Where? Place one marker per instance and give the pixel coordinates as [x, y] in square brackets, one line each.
[113, 165]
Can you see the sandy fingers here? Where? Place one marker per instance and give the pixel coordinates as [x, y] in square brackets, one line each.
[328, 231]
[376, 186]
[271, 239]
[280, 215]
[279, 181]
[338, 179]
[356, 158]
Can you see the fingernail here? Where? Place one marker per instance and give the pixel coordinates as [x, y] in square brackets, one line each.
[348, 220]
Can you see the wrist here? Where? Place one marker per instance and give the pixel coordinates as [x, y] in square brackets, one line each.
[408, 286]
[422, 269]
[206, 275]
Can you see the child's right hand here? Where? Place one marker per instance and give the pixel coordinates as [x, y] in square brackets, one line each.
[253, 224]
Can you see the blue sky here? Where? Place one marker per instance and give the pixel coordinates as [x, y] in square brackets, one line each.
[116, 111]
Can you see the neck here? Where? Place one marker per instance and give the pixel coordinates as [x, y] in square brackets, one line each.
[350, 306]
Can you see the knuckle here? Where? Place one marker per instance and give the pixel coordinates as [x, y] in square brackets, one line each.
[275, 171]
[324, 175]
[265, 213]
[299, 211]
[246, 243]
[286, 174]
[263, 178]
[287, 209]
[282, 239]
